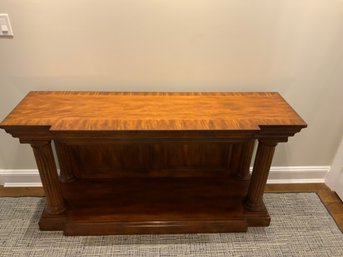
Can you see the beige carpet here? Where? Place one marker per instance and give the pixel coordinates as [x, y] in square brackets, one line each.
[301, 226]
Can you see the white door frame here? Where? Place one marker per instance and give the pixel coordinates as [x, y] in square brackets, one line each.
[334, 178]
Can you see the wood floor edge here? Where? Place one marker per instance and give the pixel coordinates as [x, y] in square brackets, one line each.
[21, 191]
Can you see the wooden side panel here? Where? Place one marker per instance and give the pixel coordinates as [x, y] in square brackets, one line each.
[107, 160]
[235, 157]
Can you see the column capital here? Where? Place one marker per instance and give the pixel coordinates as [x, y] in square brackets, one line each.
[268, 142]
[39, 143]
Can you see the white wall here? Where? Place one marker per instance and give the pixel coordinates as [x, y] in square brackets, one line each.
[290, 46]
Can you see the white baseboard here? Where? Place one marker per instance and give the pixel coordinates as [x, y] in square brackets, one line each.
[277, 175]
[297, 174]
[20, 178]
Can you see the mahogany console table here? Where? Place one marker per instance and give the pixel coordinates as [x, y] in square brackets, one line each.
[134, 163]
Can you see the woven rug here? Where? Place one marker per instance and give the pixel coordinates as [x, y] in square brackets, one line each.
[301, 226]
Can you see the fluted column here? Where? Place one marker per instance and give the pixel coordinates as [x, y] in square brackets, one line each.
[48, 174]
[263, 160]
[245, 160]
[64, 158]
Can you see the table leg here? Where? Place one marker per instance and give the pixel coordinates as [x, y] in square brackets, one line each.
[48, 174]
[245, 160]
[263, 160]
[64, 159]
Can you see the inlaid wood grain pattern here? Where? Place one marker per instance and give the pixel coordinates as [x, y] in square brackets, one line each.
[108, 111]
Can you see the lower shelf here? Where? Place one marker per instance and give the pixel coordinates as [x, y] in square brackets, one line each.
[154, 205]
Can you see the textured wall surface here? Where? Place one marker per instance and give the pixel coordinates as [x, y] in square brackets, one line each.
[293, 47]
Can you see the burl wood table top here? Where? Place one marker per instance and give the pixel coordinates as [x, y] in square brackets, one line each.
[108, 111]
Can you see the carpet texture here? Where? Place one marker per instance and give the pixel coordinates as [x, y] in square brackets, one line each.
[301, 226]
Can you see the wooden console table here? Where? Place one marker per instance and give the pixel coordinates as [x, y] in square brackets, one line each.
[133, 163]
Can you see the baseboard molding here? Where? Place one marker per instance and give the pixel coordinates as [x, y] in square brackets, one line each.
[277, 175]
[20, 178]
[297, 174]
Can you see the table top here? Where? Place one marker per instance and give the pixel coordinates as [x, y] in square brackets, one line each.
[108, 111]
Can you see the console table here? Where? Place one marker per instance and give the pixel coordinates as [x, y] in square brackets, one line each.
[134, 163]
